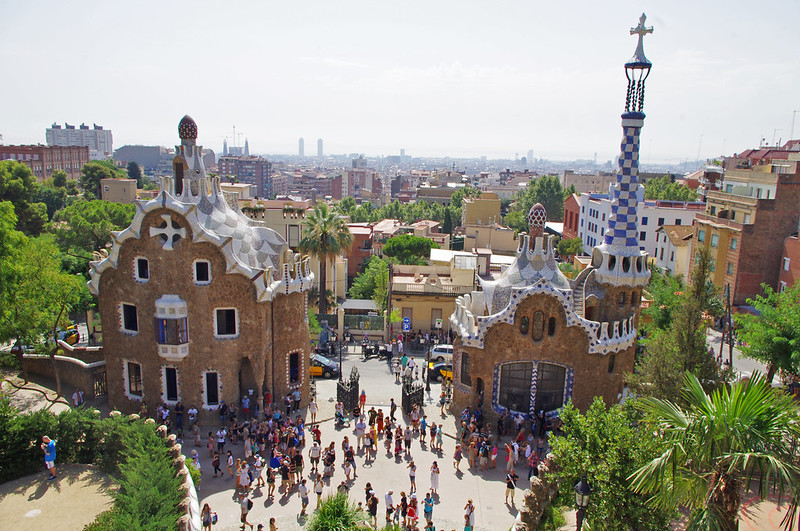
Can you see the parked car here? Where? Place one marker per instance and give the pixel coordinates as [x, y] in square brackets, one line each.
[439, 371]
[69, 336]
[27, 349]
[322, 366]
[442, 353]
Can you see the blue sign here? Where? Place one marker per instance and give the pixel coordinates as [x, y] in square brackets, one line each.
[406, 324]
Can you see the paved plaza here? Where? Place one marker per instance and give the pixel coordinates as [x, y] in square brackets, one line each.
[385, 473]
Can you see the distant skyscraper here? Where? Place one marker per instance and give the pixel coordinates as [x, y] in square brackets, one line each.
[402, 152]
[530, 154]
[98, 140]
[246, 148]
[320, 152]
[301, 148]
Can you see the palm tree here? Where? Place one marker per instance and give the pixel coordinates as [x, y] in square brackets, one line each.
[325, 235]
[731, 438]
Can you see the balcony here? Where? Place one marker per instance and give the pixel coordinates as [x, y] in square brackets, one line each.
[420, 288]
[718, 222]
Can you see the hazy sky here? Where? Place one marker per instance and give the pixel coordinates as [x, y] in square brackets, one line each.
[460, 78]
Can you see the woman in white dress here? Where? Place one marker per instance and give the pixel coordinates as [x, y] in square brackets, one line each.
[312, 409]
[434, 477]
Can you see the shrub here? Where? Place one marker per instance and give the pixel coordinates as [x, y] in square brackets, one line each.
[336, 513]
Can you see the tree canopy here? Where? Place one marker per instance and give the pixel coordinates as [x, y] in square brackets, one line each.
[19, 186]
[680, 345]
[663, 188]
[448, 216]
[546, 190]
[570, 247]
[94, 171]
[409, 249]
[773, 337]
[608, 445]
[372, 282]
[135, 172]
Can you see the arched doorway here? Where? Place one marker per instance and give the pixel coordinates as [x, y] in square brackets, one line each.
[247, 379]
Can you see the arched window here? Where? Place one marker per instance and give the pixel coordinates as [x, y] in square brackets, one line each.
[551, 326]
[538, 325]
[621, 301]
[294, 367]
[524, 325]
[611, 360]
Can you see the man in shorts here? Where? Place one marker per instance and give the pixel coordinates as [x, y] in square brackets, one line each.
[49, 448]
[303, 490]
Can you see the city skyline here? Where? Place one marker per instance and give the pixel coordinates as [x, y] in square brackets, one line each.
[451, 79]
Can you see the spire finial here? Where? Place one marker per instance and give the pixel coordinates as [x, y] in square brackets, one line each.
[641, 30]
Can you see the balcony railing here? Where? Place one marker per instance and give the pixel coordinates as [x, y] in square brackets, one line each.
[430, 289]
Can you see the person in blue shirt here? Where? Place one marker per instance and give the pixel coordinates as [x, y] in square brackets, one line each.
[427, 508]
[49, 448]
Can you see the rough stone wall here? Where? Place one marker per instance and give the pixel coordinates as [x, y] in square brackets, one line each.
[567, 346]
[290, 334]
[171, 272]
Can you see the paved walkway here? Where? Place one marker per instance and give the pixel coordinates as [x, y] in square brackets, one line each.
[71, 502]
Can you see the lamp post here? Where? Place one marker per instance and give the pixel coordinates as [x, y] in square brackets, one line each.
[426, 372]
[582, 493]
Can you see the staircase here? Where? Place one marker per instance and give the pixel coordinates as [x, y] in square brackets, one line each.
[578, 292]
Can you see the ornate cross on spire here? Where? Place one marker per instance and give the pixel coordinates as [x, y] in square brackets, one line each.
[170, 233]
[641, 30]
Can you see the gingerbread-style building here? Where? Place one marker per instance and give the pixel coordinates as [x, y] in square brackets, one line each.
[198, 302]
[532, 339]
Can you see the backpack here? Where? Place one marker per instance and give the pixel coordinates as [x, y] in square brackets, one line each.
[249, 504]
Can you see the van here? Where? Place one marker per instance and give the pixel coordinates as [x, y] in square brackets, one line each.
[441, 353]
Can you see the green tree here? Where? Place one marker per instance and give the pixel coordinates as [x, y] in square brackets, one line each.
[546, 190]
[663, 188]
[19, 186]
[365, 283]
[608, 445]
[409, 249]
[325, 234]
[680, 347]
[720, 443]
[569, 191]
[93, 172]
[54, 198]
[517, 220]
[346, 206]
[135, 172]
[60, 179]
[85, 226]
[569, 248]
[457, 199]
[773, 336]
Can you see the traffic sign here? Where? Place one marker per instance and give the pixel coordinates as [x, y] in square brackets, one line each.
[406, 324]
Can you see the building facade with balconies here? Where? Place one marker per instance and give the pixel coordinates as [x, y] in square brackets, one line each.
[746, 223]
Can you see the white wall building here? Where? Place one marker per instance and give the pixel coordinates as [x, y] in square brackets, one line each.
[98, 140]
[596, 208]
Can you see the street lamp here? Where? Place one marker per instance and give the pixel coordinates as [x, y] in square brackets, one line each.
[582, 493]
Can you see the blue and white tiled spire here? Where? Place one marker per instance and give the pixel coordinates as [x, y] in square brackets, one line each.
[619, 260]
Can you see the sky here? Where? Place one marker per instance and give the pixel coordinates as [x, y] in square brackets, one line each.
[437, 77]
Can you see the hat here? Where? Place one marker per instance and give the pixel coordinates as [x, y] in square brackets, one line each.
[413, 496]
[390, 492]
[260, 526]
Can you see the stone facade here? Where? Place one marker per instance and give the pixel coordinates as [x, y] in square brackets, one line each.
[194, 292]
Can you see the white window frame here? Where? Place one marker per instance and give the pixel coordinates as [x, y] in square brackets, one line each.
[786, 263]
[238, 325]
[194, 273]
[164, 397]
[301, 357]
[714, 240]
[136, 276]
[204, 391]
[122, 327]
[126, 380]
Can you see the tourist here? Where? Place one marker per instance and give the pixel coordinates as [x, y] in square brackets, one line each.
[207, 517]
[296, 396]
[258, 466]
[314, 454]
[288, 403]
[389, 502]
[223, 413]
[270, 482]
[379, 420]
[511, 485]
[423, 428]
[246, 504]
[435, 477]
[412, 512]
[404, 508]
[439, 437]
[215, 464]
[221, 434]
[361, 428]
[192, 412]
[392, 410]
[442, 402]
[272, 525]
[48, 446]
[246, 407]
[412, 475]
[362, 399]
[229, 464]
[457, 458]
[318, 487]
[196, 434]
[469, 515]
[196, 462]
[312, 410]
[303, 491]
[427, 508]
[407, 436]
[179, 409]
[372, 507]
